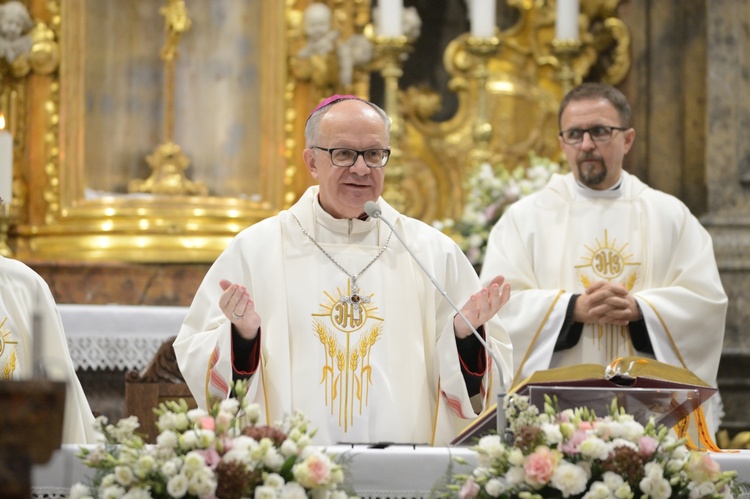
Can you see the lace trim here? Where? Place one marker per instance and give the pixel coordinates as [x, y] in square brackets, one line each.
[114, 352]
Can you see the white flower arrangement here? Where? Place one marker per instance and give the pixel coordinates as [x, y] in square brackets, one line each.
[222, 453]
[575, 454]
[489, 192]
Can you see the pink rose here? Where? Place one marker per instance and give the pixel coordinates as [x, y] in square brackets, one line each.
[540, 466]
[647, 445]
[585, 425]
[572, 444]
[318, 470]
[207, 423]
[702, 468]
[211, 457]
[470, 489]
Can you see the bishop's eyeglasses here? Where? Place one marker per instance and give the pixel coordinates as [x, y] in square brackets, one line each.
[598, 133]
[345, 158]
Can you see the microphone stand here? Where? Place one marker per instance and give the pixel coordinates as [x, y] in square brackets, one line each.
[373, 210]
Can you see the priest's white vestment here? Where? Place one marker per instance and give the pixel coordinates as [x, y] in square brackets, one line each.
[24, 293]
[366, 371]
[556, 242]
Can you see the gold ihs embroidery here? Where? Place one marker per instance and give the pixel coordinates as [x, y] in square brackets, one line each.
[347, 373]
[8, 356]
[608, 261]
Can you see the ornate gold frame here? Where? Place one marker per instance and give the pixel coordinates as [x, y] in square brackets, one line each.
[52, 219]
[56, 222]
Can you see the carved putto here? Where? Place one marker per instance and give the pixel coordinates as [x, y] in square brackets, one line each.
[15, 24]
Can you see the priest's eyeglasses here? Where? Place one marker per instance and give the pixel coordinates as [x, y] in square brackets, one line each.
[598, 133]
[345, 158]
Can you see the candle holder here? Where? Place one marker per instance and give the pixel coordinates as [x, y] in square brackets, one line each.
[6, 221]
[389, 55]
[566, 51]
[482, 49]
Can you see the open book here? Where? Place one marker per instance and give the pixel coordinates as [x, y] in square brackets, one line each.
[645, 388]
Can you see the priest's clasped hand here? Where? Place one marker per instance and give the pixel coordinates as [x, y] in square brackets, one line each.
[482, 306]
[606, 302]
[237, 306]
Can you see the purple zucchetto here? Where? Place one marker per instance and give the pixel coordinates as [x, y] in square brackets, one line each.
[332, 100]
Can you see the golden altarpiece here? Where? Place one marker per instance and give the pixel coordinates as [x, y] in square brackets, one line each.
[154, 130]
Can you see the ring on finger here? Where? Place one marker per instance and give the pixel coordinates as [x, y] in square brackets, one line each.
[237, 317]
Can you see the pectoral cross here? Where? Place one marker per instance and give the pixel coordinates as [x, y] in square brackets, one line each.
[354, 299]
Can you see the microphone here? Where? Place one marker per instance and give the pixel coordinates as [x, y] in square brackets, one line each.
[373, 210]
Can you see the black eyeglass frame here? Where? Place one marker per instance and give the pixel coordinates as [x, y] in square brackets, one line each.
[584, 131]
[331, 150]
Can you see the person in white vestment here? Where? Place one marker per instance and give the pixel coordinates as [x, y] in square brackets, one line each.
[326, 313]
[603, 266]
[24, 294]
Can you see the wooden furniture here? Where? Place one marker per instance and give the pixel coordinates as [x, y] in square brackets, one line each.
[159, 382]
[32, 429]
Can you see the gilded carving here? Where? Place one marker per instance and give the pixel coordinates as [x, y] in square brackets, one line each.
[57, 217]
[515, 110]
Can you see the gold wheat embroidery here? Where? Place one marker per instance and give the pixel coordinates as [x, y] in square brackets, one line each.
[10, 366]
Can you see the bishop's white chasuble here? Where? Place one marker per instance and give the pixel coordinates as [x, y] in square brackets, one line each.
[558, 241]
[364, 363]
[22, 294]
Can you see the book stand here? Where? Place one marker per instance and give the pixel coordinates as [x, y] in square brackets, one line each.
[666, 406]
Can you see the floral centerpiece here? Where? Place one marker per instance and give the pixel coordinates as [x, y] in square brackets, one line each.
[573, 453]
[489, 192]
[222, 453]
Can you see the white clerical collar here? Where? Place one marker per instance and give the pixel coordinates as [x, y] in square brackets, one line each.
[341, 225]
[587, 192]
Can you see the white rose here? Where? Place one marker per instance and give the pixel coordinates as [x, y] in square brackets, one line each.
[167, 421]
[169, 468]
[80, 491]
[273, 460]
[182, 422]
[123, 475]
[193, 462]
[515, 476]
[705, 489]
[552, 433]
[264, 492]
[594, 448]
[229, 405]
[289, 448]
[253, 413]
[494, 487]
[196, 414]
[274, 480]
[113, 492]
[177, 486]
[569, 479]
[167, 439]
[203, 483]
[515, 458]
[293, 490]
[656, 488]
[144, 466]
[189, 440]
[138, 493]
[597, 491]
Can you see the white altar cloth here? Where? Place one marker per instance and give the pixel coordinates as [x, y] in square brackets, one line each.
[395, 472]
[118, 336]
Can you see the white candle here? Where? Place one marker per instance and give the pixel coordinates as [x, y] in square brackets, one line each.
[566, 27]
[6, 163]
[390, 22]
[482, 18]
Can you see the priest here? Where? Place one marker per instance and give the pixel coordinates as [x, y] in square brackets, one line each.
[603, 266]
[327, 313]
[25, 296]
